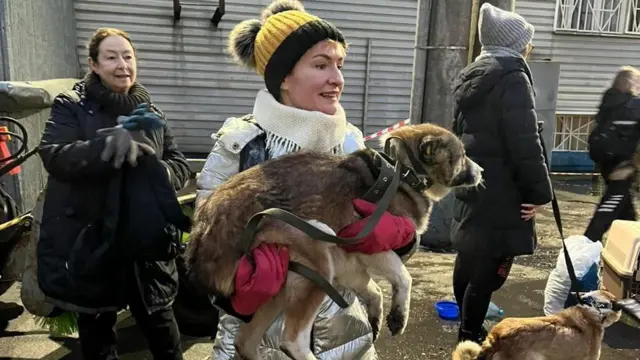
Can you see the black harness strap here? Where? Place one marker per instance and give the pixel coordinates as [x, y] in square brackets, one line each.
[386, 184]
[387, 175]
[388, 178]
[325, 285]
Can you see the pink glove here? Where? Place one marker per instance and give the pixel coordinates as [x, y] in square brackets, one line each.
[392, 232]
[257, 283]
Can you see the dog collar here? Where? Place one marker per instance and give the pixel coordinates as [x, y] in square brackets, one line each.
[408, 174]
[599, 306]
[385, 161]
[385, 165]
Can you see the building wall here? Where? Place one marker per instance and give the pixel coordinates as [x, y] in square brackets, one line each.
[590, 39]
[38, 42]
[193, 80]
[588, 61]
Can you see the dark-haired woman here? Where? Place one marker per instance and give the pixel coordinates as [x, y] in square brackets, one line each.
[84, 262]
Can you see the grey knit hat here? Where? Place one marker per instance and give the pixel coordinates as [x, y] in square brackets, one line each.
[503, 28]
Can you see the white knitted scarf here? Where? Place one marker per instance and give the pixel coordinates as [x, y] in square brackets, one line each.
[290, 129]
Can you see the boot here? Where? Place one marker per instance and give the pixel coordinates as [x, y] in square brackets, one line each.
[476, 337]
[464, 335]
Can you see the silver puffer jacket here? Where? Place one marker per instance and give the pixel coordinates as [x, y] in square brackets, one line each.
[338, 334]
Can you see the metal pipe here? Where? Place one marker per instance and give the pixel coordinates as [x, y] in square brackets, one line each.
[220, 11]
[367, 72]
[4, 47]
[420, 51]
[177, 10]
[447, 55]
[473, 30]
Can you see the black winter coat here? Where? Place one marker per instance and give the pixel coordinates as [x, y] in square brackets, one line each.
[81, 252]
[496, 120]
[616, 107]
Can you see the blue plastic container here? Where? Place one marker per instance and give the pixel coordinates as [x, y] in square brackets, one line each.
[447, 310]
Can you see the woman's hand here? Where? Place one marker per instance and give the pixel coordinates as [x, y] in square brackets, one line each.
[391, 233]
[142, 118]
[121, 145]
[528, 211]
[259, 277]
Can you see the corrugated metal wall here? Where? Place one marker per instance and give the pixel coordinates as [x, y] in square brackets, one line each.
[195, 83]
[588, 62]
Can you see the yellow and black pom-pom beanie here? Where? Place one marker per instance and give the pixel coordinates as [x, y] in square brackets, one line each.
[273, 45]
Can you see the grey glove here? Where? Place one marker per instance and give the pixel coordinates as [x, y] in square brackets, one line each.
[123, 144]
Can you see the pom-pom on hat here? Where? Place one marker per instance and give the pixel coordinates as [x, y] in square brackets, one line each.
[273, 45]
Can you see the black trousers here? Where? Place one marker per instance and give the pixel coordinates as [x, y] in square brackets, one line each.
[475, 279]
[616, 204]
[98, 336]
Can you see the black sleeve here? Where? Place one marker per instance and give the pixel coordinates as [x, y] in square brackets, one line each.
[175, 161]
[523, 140]
[634, 105]
[64, 154]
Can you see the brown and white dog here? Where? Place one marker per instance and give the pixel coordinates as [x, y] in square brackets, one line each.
[573, 334]
[320, 188]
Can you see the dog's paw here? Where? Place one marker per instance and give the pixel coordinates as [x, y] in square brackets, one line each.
[375, 323]
[396, 321]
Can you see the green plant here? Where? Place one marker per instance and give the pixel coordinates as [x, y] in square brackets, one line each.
[65, 324]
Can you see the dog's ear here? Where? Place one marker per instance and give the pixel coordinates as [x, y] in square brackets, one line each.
[428, 147]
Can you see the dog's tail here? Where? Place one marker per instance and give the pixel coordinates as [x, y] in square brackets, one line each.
[468, 350]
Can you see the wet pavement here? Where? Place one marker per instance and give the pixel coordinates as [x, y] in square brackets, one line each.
[426, 336]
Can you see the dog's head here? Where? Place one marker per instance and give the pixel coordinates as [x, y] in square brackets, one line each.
[605, 304]
[437, 156]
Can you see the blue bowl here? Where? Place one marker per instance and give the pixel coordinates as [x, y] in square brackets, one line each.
[447, 310]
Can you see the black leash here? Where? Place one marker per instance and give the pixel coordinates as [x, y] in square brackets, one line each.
[630, 306]
[575, 283]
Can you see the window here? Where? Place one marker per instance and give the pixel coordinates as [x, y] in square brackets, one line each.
[598, 16]
[572, 132]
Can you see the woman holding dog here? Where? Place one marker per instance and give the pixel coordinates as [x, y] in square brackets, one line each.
[300, 58]
[113, 167]
[496, 120]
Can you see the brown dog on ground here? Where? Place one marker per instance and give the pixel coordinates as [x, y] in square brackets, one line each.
[573, 334]
[320, 188]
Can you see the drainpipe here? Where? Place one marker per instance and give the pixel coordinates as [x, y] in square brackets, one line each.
[4, 51]
[473, 31]
[420, 61]
[448, 52]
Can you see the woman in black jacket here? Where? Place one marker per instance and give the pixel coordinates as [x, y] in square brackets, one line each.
[101, 177]
[612, 146]
[496, 120]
